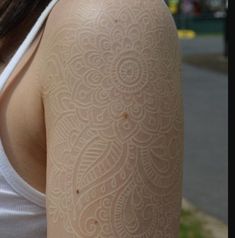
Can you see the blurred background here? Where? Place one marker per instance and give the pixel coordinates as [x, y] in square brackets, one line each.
[202, 29]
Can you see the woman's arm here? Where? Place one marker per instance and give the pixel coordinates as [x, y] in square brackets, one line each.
[114, 120]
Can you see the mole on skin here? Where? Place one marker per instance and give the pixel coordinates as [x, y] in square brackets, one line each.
[77, 191]
[125, 115]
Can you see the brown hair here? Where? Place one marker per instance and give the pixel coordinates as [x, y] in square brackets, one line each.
[13, 12]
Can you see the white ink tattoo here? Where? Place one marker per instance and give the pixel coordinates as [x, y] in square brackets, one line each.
[114, 119]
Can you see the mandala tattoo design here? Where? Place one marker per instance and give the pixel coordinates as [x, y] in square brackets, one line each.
[114, 118]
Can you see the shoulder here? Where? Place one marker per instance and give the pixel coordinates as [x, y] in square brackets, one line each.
[107, 14]
[95, 34]
[90, 9]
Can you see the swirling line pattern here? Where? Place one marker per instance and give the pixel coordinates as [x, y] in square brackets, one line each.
[113, 107]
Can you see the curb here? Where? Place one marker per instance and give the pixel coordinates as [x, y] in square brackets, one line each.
[186, 34]
[217, 228]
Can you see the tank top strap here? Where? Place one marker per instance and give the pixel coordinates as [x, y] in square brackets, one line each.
[25, 45]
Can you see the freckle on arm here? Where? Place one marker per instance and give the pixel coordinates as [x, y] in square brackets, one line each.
[125, 115]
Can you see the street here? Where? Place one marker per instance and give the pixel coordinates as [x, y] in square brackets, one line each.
[206, 132]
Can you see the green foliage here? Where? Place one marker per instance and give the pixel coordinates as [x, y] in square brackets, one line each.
[191, 226]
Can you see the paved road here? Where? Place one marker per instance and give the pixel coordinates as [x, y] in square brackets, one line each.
[206, 134]
[204, 44]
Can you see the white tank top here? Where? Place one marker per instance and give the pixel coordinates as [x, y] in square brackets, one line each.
[22, 208]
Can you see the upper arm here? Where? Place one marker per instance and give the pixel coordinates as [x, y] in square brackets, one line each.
[114, 125]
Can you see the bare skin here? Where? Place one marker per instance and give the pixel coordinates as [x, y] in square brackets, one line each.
[107, 75]
[22, 129]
